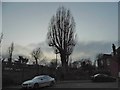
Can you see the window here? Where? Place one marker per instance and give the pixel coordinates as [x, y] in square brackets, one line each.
[108, 62]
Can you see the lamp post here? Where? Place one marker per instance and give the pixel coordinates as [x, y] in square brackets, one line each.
[56, 52]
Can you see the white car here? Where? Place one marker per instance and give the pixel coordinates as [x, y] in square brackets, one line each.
[39, 81]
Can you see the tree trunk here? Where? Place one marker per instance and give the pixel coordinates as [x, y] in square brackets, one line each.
[37, 67]
[36, 61]
[64, 65]
[9, 60]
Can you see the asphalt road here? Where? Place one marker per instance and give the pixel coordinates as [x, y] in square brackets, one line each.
[75, 84]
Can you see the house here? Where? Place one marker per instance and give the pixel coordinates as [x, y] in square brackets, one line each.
[111, 62]
[114, 66]
[115, 62]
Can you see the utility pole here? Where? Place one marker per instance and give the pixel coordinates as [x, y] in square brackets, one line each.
[56, 52]
[56, 60]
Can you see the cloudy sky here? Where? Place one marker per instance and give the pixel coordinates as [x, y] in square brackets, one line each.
[26, 24]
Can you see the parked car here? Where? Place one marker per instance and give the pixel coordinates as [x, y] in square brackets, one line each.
[102, 78]
[39, 81]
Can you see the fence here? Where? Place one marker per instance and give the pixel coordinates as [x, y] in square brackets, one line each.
[17, 73]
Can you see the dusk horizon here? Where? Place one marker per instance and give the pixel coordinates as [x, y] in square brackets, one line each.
[26, 25]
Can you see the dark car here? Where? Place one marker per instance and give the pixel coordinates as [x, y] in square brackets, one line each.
[102, 78]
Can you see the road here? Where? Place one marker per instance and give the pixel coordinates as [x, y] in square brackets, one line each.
[76, 84]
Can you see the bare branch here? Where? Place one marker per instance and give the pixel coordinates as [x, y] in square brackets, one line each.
[36, 54]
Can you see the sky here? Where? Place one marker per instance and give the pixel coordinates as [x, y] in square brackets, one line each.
[26, 24]
[60, 0]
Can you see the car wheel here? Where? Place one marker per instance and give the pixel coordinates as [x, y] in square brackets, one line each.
[51, 83]
[36, 85]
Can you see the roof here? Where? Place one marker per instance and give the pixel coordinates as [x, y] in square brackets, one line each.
[118, 50]
[106, 56]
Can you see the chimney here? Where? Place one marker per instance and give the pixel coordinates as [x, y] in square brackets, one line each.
[114, 49]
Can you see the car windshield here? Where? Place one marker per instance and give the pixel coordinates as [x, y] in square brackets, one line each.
[96, 75]
[37, 77]
[101, 75]
[40, 77]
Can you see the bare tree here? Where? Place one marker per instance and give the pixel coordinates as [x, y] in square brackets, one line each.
[22, 60]
[61, 34]
[76, 64]
[36, 54]
[1, 37]
[98, 59]
[53, 63]
[10, 51]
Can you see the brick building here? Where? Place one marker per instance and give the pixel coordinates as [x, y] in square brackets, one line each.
[111, 62]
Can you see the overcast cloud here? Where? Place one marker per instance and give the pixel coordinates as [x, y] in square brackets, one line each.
[81, 50]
